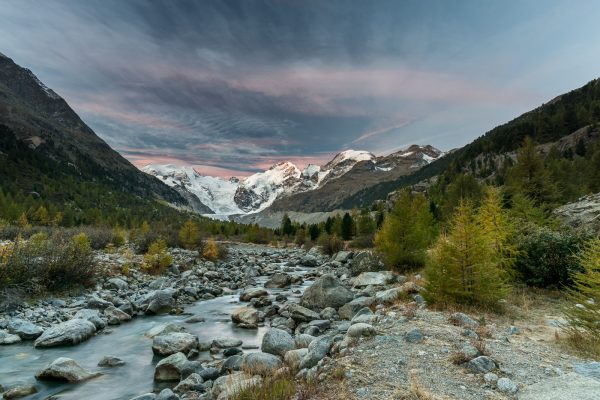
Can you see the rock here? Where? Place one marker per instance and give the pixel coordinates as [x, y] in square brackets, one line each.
[110, 361]
[325, 292]
[194, 319]
[97, 303]
[463, 320]
[65, 369]
[19, 391]
[584, 213]
[481, 365]
[191, 367]
[414, 336]
[232, 351]
[24, 329]
[329, 313]
[279, 280]
[8, 338]
[145, 396]
[469, 352]
[260, 363]
[70, 332]
[232, 363]
[91, 315]
[169, 369]
[303, 340]
[589, 369]
[113, 313]
[309, 260]
[209, 374]
[293, 358]
[277, 342]
[373, 279]
[342, 256]
[253, 293]
[388, 296]
[364, 315]
[225, 343]
[361, 329]
[176, 342]
[229, 385]
[505, 385]
[245, 317]
[117, 284]
[348, 310]
[167, 394]
[317, 350]
[365, 261]
[302, 314]
[158, 302]
[194, 382]
[565, 387]
[490, 378]
[163, 330]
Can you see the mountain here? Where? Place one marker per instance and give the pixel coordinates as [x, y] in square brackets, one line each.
[39, 126]
[284, 182]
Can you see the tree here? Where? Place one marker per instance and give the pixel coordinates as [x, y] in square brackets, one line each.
[583, 312]
[497, 228]
[347, 228]
[406, 232]
[287, 228]
[462, 187]
[314, 232]
[463, 266]
[189, 235]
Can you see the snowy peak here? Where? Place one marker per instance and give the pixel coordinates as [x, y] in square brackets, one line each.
[349, 157]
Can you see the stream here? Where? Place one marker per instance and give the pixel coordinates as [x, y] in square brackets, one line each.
[20, 362]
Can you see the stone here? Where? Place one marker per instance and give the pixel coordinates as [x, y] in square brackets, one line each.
[8, 338]
[565, 387]
[191, 367]
[169, 369]
[114, 313]
[70, 332]
[469, 351]
[229, 385]
[24, 329]
[231, 364]
[279, 280]
[194, 382]
[373, 279]
[65, 369]
[302, 314]
[167, 394]
[481, 365]
[309, 260]
[361, 329]
[117, 284]
[325, 292]
[414, 336]
[303, 340]
[97, 303]
[505, 385]
[342, 256]
[364, 315]
[463, 320]
[260, 363]
[317, 350]
[329, 313]
[490, 378]
[277, 342]
[110, 361]
[91, 315]
[209, 374]
[253, 293]
[348, 310]
[194, 319]
[584, 213]
[159, 302]
[225, 343]
[175, 342]
[232, 351]
[19, 391]
[365, 261]
[163, 330]
[245, 317]
[388, 296]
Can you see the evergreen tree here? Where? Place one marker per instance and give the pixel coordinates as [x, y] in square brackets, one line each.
[286, 226]
[189, 235]
[406, 232]
[347, 228]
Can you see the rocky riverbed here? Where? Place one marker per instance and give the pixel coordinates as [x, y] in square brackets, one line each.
[205, 330]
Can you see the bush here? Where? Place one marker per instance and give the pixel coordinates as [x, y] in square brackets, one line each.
[157, 259]
[211, 250]
[330, 244]
[362, 242]
[549, 258]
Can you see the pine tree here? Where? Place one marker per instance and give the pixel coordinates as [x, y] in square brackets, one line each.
[406, 232]
[189, 235]
[286, 226]
[347, 228]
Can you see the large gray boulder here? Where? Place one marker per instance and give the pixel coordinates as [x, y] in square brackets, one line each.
[260, 363]
[277, 342]
[229, 385]
[279, 280]
[317, 350]
[584, 213]
[481, 365]
[302, 314]
[365, 261]
[326, 291]
[349, 310]
[117, 284]
[25, 329]
[293, 358]
[253, 293]
[91, 315]
[175, 342]
[361, 329]
[373, 279]
[8, 338]
[169, 369]
[245, 317]
[158, 302]
[70, 332]
[65, 369]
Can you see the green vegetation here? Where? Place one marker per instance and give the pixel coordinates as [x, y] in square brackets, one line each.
[406, 233]
[189, 235]
[157, 259]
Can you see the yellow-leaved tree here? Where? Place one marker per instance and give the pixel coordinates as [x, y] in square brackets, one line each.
[189, 235]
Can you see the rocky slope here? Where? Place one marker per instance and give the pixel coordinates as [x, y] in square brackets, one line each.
[284, 187]
[39, 117]
[583, 214]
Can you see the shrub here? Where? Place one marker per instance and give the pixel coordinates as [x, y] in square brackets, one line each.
[330, 244]
[583, 313]
[362, 242]
[211, 250]
[548, 258]
[157, 259]
[406, 232]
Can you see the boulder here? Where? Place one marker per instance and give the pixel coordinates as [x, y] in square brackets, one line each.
[253, 293]
[277, 342]
[348, 310]
[70, 332]
[279, 280]
[117, 284]
[229, 385]
[19, 391]
[226, 343]
[342, 256]
[414, 336]
[293, 358]
[481, 365]
[361, 329]
[260, 363]
[505, 385]
[175, 342]
[231, 364]
[317, 350]
[463, 320]
[245, 317]
[97, 303]
[167, 394]
[301, 314]
[309, 260]
[325, 292]
[365, 261]
[169, 369]
[158, 302]
[110, 361]
[163, 330]
[65, 369]
[584, 213]
[91, 315]
[112, 313]
[194, 382]
[24, 329]
[388, 296]
[373, 279]
[364, 315]
[8, 338]
[303, 340]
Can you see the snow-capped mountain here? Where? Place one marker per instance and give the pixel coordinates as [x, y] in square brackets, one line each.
[259, 191]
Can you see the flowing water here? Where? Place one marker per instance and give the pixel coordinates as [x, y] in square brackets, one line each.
[19, 362]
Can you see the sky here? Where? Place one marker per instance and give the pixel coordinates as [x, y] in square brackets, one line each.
[232, 87]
